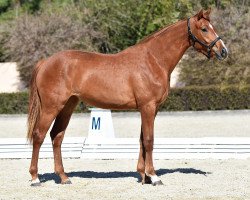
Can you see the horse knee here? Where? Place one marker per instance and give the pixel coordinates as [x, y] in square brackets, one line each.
[59, 170]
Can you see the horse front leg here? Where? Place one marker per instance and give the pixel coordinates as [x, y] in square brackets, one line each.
[141, 161]
[147, 116]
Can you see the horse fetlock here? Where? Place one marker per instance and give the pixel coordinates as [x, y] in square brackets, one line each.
[150, 171]
[66, 182]
[60, 172]
[33, 171]
[64, 178]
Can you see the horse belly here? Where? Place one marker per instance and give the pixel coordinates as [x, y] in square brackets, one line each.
[108, 93]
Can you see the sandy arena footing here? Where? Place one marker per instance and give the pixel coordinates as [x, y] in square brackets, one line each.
[117, 179]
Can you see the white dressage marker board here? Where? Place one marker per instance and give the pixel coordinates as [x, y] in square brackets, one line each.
[118, 148]
[101, 124]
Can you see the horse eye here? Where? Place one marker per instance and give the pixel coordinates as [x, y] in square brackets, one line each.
[204, 30]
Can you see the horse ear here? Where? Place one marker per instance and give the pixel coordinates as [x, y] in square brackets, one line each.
[204, 14]
[200, 14]
[207, 13]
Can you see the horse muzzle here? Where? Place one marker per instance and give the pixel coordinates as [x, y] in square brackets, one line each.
[222, 54]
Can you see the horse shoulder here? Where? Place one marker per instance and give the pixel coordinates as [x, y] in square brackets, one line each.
[158, 72]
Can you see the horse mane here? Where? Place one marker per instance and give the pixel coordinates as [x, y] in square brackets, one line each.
[164, 29]
[159, 32]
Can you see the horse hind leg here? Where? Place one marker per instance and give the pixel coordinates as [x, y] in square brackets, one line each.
[57, 135]
[38, 136]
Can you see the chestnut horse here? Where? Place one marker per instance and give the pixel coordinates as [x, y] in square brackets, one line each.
[135, 78]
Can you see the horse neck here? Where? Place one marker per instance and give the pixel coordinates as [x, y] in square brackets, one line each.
[169, 44]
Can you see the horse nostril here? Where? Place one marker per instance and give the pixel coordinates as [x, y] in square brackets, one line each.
[224, 52]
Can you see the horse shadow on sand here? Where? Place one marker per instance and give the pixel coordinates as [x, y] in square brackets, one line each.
[118, 174]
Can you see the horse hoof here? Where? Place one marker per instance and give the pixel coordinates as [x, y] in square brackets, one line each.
[155, 180]
[35, 183]
[157, 183]
[67, 182]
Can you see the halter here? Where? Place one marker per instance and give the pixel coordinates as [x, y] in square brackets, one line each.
[194, 39]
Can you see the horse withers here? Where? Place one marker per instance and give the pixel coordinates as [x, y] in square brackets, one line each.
[135, 78]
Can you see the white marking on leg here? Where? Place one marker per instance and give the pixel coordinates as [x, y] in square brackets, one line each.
[35, 181]
[154, 178]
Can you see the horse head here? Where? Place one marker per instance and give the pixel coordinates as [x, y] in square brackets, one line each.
[203, 36]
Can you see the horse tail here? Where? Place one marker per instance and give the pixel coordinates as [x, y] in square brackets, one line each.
[34, 103]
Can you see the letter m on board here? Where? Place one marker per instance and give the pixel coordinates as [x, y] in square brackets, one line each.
[96, 124]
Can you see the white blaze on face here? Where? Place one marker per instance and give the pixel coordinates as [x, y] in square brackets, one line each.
[222, 43]
[210, 26]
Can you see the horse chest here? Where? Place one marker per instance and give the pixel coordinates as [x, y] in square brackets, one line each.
[164, 96]
[152, 89]
[162, 93]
